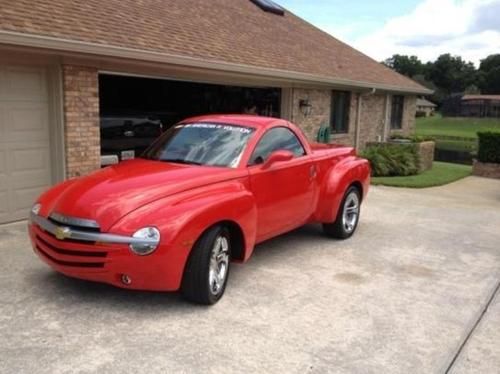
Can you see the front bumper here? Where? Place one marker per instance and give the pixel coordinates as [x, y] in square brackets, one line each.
[99, 257]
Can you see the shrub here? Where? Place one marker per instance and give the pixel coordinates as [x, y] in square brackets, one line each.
[392, 159]
[489, 147]
[420, 113]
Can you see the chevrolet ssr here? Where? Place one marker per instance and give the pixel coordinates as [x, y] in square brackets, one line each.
[200, 197]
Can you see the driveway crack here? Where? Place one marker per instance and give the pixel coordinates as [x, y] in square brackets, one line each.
[473, 328]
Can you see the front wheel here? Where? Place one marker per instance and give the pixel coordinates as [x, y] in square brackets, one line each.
[207, 270]
[347, 217]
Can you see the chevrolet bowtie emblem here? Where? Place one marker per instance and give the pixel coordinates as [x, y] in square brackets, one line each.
[62, 233]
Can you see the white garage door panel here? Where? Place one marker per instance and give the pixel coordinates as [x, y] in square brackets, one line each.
[26, 122]
[3, 165]
[25, 83]
[29, 159]
[4, 204]
[25, 162]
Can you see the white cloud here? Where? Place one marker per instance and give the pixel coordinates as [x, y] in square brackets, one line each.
[469, 28]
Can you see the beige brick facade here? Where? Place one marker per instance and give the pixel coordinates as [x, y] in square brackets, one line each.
[372, 120]
[320, 113]
[81, 119]
[410, 108]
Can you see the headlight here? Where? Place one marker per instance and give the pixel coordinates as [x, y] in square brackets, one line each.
[36, 209]
[151, 237]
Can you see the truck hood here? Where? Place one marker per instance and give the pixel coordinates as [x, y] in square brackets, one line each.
[108, 194]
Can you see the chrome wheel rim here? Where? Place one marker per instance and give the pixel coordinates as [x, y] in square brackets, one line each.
[351, 212]
[219, 264]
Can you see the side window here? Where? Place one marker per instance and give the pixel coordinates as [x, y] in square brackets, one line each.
[279, 138]
[397, 110]
[341, 103]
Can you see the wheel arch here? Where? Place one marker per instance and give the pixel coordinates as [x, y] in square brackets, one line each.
[352, 171]
[238, 240]
[359, 186]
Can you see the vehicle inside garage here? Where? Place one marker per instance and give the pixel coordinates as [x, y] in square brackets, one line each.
[135, 110]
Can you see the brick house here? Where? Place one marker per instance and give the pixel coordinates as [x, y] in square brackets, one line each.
[64, 65]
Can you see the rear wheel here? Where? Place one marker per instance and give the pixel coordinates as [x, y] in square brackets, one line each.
[207, 271]
[347, 218]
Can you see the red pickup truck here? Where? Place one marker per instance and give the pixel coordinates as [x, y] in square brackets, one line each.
[200, 197]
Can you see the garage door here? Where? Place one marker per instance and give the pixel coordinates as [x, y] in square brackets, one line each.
[25, 168]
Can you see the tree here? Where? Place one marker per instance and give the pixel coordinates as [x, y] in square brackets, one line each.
[491, 84]
[489, 74]
[472, 90]
[451, 73]
[489, 63]
[406, 65]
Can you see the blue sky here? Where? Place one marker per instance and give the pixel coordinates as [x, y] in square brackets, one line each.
[426, 28]
[353, 18]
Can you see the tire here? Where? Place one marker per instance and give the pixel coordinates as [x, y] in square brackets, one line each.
[207, 270]
[347, 218]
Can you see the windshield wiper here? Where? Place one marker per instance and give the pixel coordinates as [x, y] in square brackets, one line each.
[181, 161]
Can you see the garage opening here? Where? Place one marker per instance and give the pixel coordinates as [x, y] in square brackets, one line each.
[134, 111]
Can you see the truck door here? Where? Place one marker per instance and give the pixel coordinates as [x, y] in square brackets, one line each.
[284, 192]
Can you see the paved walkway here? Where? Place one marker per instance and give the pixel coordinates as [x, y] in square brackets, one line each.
[411, 292]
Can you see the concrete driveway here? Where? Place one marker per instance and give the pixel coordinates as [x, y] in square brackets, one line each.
[412, 292]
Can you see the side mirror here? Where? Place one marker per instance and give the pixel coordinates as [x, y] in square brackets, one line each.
[277, 156]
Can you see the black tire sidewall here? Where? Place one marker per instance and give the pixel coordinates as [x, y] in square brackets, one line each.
[222, 231]
[195, 283]
[347, 234]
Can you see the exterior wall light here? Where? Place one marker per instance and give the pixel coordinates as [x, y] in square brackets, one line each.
[305, 107]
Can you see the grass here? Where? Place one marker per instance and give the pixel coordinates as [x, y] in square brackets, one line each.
[457, 145]
[459, 127]
[440, 174]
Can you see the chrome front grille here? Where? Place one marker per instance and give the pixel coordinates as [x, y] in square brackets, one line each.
[70, 253]
[81, 224]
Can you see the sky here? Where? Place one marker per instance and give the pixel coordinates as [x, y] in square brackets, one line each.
[425, 28]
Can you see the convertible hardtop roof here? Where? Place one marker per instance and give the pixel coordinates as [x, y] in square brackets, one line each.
[237, 119]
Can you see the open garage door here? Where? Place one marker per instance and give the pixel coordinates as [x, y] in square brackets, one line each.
[135, 111]
[25, 164]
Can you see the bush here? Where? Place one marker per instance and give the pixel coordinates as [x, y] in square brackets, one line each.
[420, 113]
[388, 160]
[489, 147]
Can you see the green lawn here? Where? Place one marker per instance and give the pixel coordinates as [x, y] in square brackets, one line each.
[456, 145]
[441, 173]
[451, 127]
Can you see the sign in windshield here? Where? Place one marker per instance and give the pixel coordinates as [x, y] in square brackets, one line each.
[210, 144]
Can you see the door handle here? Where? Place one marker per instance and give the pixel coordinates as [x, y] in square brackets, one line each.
[312, 171]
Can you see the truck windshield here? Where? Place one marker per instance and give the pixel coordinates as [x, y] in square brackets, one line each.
[208, 144]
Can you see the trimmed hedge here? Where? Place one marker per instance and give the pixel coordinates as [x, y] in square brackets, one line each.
[489, 147]
[388, 159]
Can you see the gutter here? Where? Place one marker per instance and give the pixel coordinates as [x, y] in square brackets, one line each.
[67, 45]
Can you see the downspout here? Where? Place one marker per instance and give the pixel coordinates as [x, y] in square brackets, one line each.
[386, 117]
[358, 115]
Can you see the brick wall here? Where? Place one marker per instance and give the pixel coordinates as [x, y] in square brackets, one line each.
[372, 116]
[320, 101]
[81, 119]
[409, 111]
[372, 119]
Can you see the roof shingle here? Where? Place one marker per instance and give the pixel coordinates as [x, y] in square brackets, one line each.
[232, 31]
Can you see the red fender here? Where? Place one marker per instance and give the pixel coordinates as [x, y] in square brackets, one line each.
[349, 171]
[189, 215]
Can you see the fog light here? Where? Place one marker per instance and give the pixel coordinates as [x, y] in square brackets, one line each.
[126, 279]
